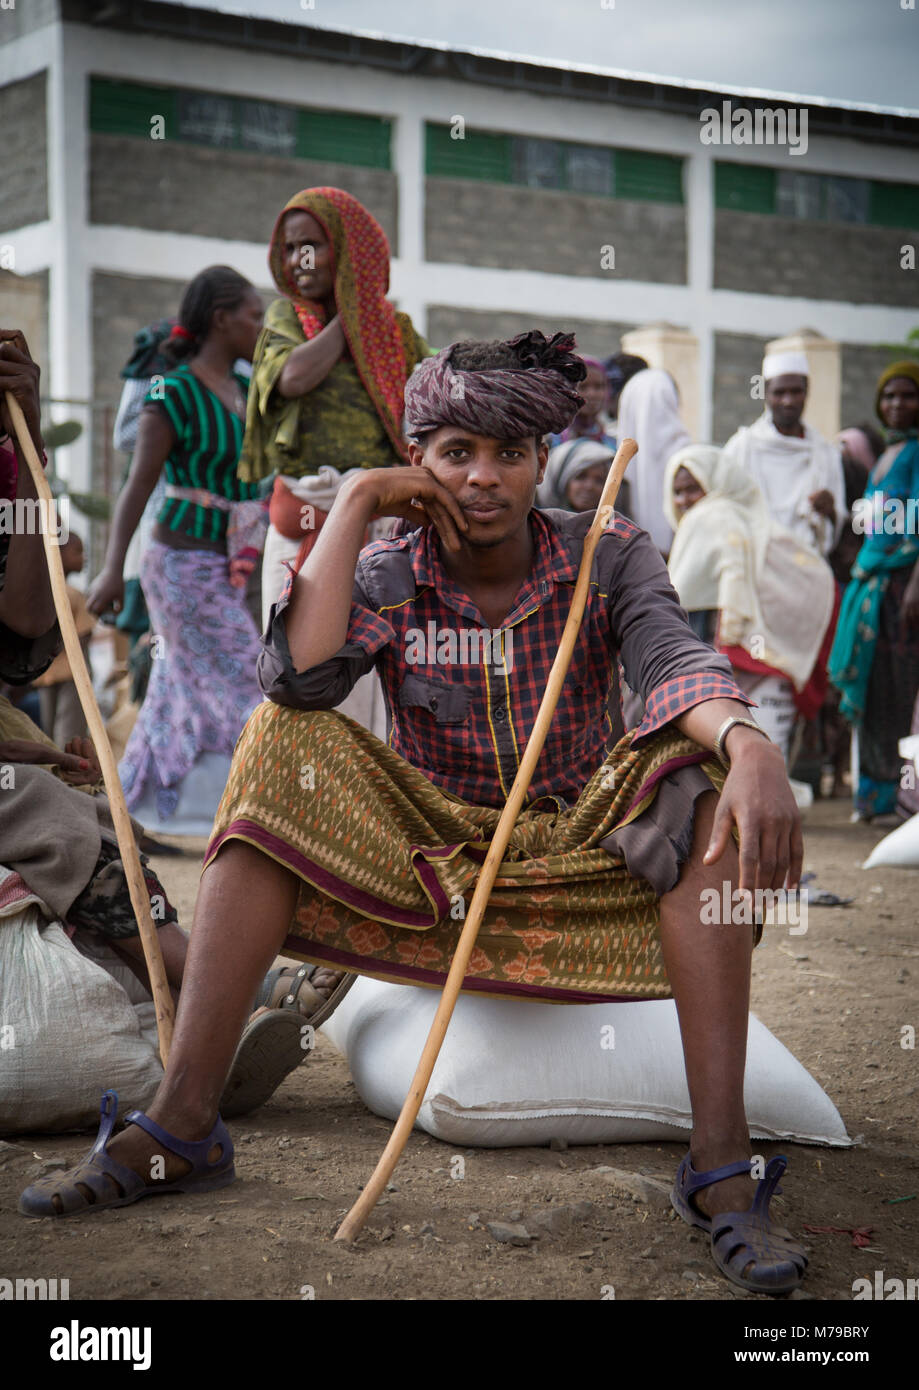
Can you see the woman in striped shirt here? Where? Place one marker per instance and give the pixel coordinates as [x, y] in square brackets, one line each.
[206, 541]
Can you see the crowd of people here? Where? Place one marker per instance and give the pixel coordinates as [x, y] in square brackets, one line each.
[320, 462]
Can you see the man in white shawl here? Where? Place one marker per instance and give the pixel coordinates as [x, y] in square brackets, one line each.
[769, 596]
[798, 472]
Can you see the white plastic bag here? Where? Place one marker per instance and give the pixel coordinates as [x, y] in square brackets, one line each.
[516, 1072]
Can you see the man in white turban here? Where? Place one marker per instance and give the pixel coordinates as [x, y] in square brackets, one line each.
[799, 473]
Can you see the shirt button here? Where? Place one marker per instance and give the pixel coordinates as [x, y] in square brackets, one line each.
[434, 704]
[501, 713]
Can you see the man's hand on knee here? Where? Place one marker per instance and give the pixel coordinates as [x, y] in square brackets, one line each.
[757, 799]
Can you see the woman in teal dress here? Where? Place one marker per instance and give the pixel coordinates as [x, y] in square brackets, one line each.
[875, 658]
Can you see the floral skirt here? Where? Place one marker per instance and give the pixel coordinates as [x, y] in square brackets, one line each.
[203, 684]
[388, 863]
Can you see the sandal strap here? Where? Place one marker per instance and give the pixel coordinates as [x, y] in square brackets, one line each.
[194, 1150]
[108, 1114]
[266, 989]
[692, 1180]
[768, 1185]
[302, 974]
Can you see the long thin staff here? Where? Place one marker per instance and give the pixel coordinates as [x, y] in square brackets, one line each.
[362, 1208]
[127, 846]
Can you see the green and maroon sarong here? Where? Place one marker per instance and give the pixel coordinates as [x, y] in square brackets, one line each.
[389, 863]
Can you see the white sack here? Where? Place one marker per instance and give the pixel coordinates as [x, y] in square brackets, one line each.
[899, 849]
[515, 1072]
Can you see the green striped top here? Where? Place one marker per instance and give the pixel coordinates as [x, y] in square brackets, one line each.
[205, 453]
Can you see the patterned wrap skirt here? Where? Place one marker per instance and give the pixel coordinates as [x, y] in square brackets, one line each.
[388, 863]
[202, 684]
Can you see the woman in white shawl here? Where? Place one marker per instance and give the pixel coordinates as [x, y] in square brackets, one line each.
[649, 413]
[770, 598]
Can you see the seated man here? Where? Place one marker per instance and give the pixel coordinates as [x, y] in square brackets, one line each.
[340, 850]
[59, 840]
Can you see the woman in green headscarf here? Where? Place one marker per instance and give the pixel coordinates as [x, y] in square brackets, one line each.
[329, 371]
[875, 657]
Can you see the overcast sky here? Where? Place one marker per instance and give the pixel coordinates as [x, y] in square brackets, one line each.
[850, 50]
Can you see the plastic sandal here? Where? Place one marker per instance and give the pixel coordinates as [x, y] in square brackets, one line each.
[320, 1008]
[96, 1168]
[272, 1045]
[740, 1238]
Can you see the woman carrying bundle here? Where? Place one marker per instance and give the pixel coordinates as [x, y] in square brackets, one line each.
[328, 379]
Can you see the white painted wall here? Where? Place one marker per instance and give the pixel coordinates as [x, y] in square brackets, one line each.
[72, 249]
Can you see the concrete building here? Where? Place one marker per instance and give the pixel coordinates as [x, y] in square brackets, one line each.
[144, 141]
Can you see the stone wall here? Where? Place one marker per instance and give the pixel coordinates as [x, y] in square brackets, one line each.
[861, 367]
[474, 222]
[166, 186]
[23, 150]
[24, 305]
[763, 254]
[738, 357]
[447, 324]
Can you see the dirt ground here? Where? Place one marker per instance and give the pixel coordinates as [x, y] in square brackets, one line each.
[838, 997]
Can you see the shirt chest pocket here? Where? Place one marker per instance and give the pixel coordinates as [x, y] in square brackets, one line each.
[449, 704]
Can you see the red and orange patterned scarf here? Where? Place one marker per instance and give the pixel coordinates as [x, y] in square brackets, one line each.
[360, 265]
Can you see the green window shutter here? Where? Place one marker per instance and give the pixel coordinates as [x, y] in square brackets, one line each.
[656, 178]
[894, 205]
[744, 187]
[479, 155]
[126, 108]
[345, 138]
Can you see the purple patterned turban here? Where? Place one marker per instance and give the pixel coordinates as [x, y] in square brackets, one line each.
[536, 396]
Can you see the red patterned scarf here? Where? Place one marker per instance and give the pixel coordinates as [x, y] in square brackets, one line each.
[360, 265]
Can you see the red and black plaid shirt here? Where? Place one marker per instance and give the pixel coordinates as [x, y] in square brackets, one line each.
[462, 709]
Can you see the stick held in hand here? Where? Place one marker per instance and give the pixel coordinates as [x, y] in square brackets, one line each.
[127, 847]
[354, 1221]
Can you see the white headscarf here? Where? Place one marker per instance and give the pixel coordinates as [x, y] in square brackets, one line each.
[649, 414]
[774, 595]
[566, 462]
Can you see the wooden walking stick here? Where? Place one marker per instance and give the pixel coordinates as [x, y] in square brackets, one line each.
[130, 858]
[362, 1208]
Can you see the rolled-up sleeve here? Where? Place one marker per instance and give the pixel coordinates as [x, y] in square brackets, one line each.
[662, 658]
[326, 685]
